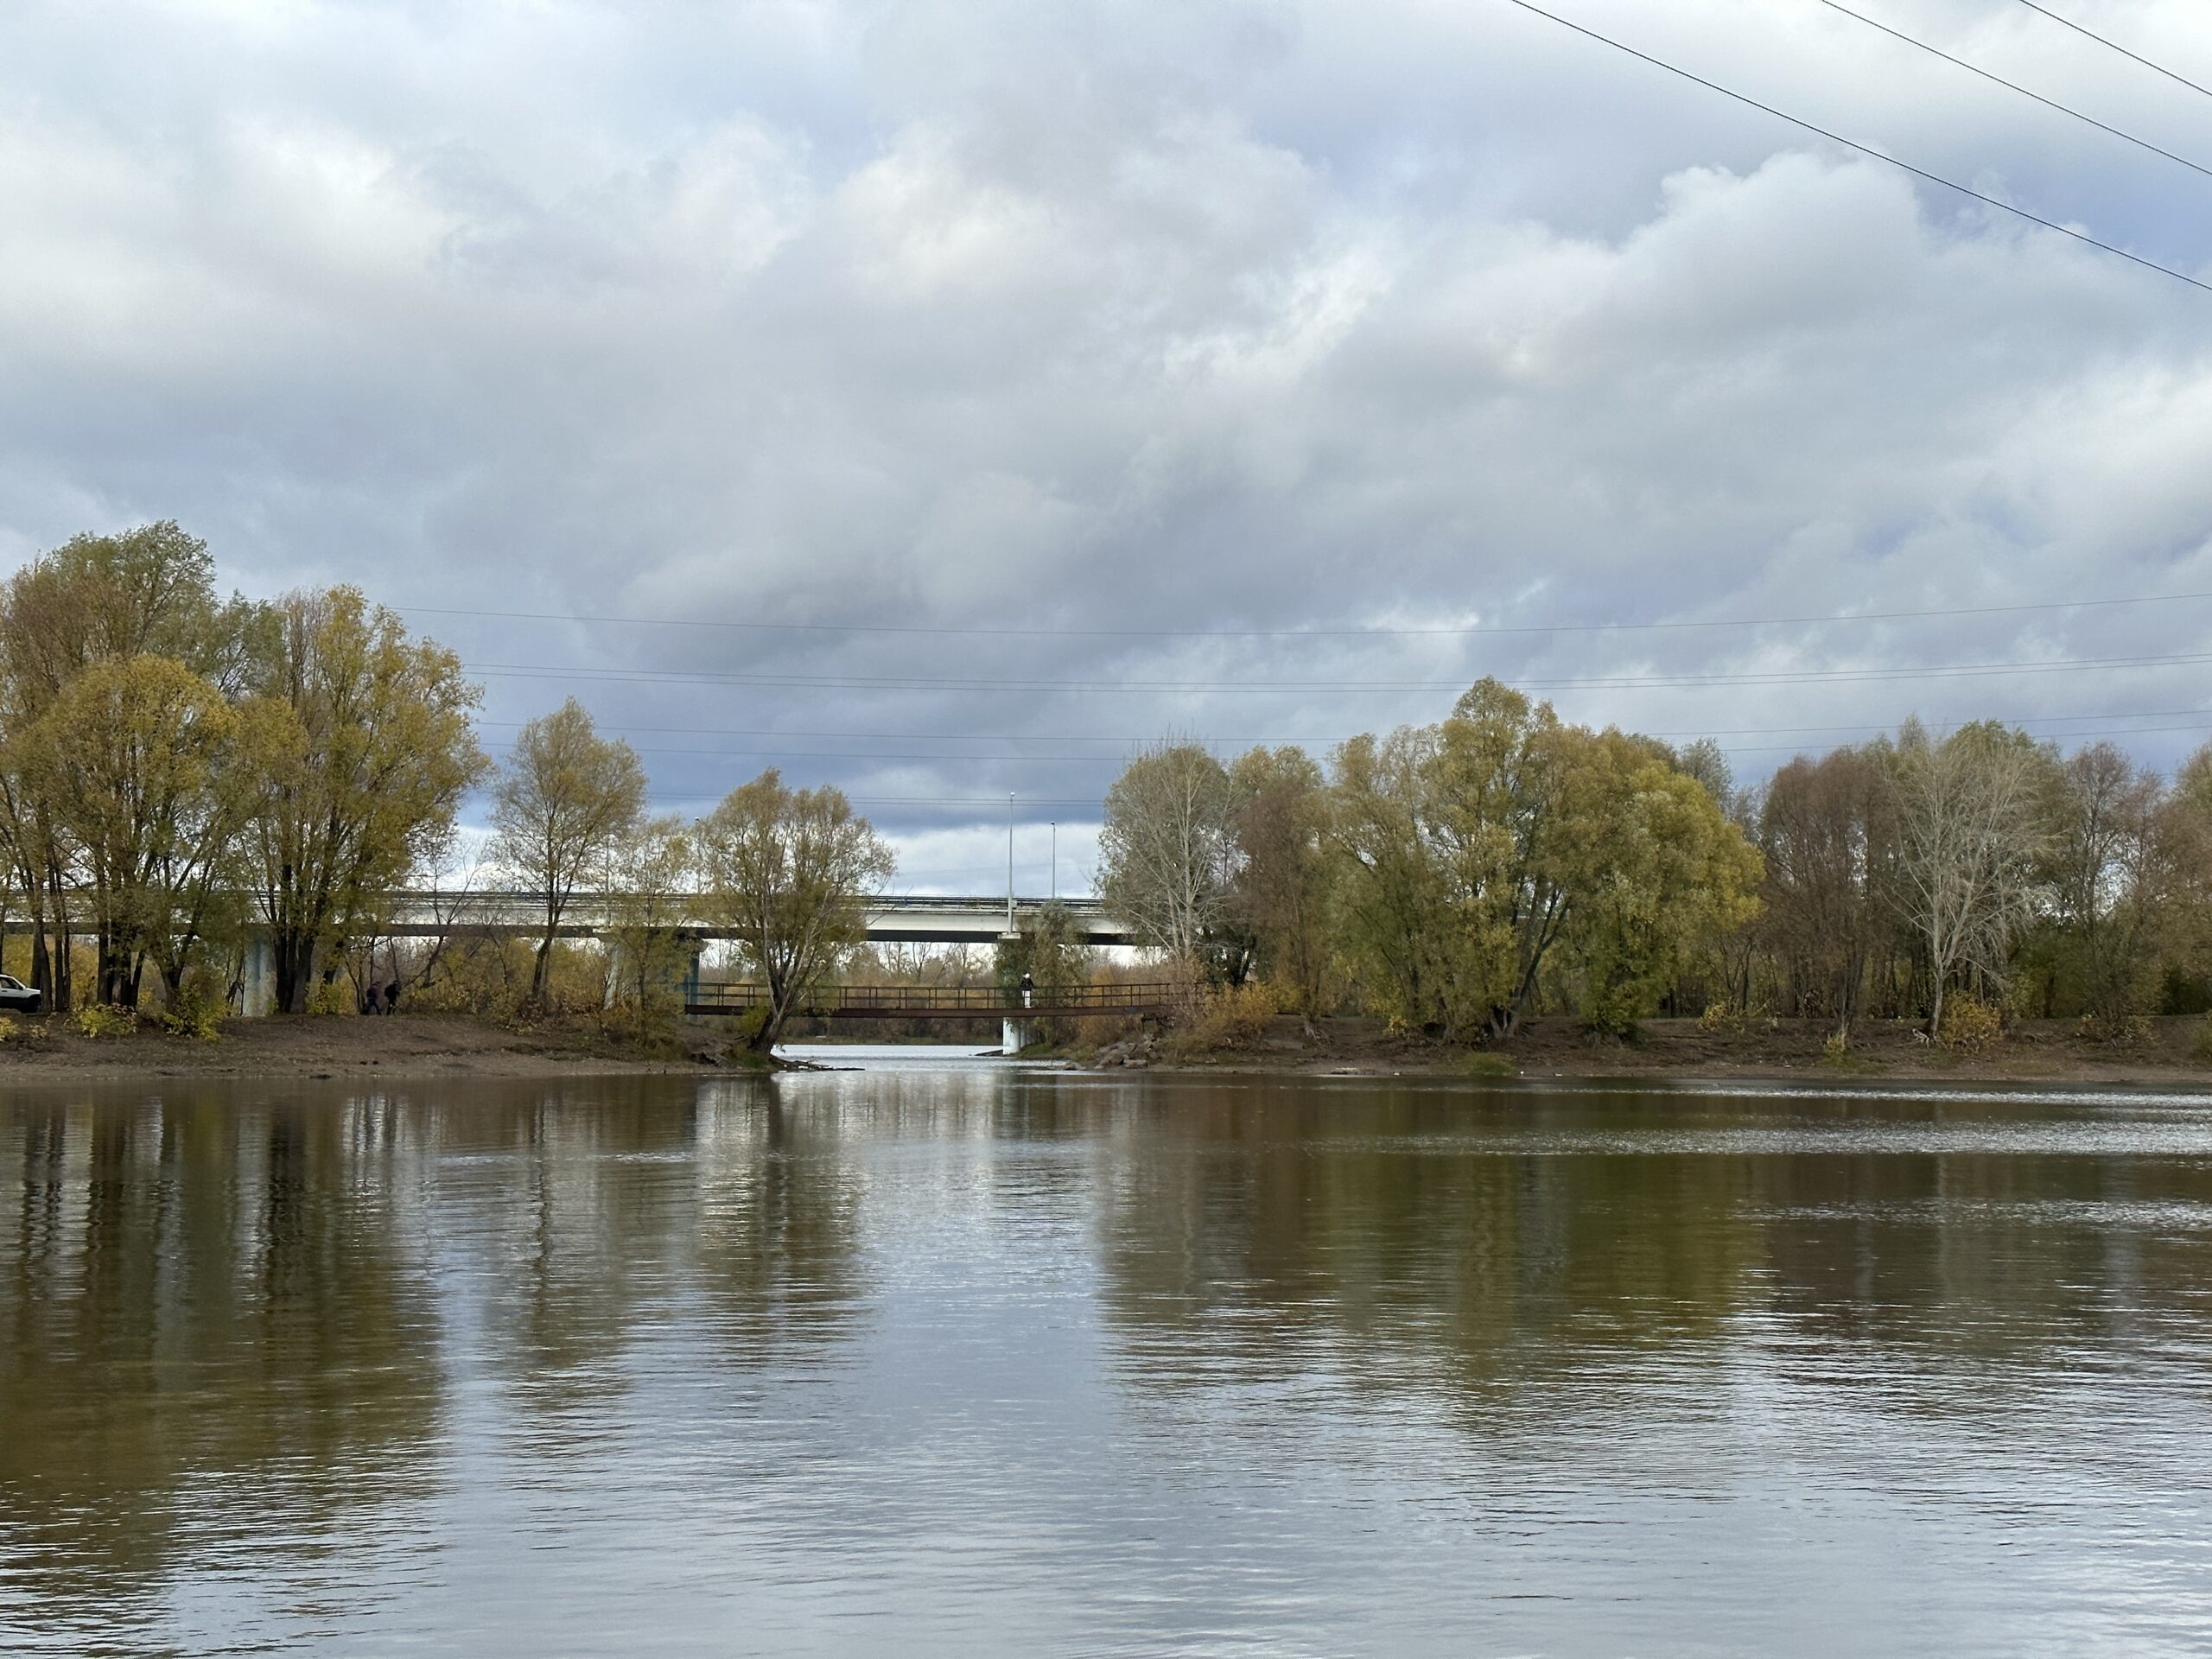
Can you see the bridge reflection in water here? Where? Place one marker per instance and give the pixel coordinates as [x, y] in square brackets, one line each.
[938, 1001]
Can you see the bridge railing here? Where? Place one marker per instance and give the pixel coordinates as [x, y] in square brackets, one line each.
[891, 1001]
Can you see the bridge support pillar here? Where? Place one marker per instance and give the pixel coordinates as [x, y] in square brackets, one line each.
[1019, 1031]
[257, 982]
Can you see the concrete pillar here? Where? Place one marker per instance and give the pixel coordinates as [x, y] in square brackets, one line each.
[1018, 1032]
[697, 949]
[257, 995]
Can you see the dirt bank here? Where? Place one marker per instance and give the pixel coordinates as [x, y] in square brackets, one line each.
[404, 1045]
[2043, 1052]
[431, 1045]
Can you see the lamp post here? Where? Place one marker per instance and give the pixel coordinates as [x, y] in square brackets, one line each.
[1056, 862]
[1009, 864]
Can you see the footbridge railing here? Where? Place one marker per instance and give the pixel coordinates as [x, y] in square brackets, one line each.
[941, 1001]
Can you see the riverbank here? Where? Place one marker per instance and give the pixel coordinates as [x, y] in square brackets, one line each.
[403, 1045]
[48, 1052]
[2162, 1054]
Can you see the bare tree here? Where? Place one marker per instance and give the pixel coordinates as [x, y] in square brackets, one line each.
[1969, 842]
[2105, 854]
[1165, 853]
[566, 798]
[1826, 829]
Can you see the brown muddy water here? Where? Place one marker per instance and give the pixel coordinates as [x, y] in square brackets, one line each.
[932, 1358]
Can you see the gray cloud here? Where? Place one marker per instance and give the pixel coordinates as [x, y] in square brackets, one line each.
[1121, 318]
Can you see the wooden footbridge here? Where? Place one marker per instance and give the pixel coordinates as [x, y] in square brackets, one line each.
[940, 1001]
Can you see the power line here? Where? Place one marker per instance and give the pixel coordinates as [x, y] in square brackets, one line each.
[2048, 103]
[1865, 150]
[2115, 45]
[1225, 738]
[1296, 633]
[1946, 670]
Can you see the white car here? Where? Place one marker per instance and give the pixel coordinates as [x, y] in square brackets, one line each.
[19, 998]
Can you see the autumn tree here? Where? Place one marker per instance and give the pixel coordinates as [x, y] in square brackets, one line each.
[566, 798]
[140, 760]
[649, 876]
[146, 592]
[370, 751]
[789, 874]
[1280, 887]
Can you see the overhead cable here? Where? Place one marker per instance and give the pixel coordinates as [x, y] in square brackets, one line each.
[2048, 103]
[1271, 688]
[2115, 45]
[1863, 149]
[1303, 633]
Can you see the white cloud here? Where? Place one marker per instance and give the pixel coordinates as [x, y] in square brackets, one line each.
[1126, 318]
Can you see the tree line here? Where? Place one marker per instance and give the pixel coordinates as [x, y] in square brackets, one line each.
[1461, 877]
[180, 772]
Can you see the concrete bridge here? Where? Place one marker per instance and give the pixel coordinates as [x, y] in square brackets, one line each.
[926, 919]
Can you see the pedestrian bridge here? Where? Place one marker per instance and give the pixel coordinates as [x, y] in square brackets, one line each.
[938, 1001]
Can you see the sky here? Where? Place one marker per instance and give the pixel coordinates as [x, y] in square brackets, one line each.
[942, 400]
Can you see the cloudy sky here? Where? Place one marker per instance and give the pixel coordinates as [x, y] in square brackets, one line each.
[968, 392]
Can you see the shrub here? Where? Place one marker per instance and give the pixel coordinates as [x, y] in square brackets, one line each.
[1835, 1048]
[2118, 1028]
[1971, 1025]
[335, 997]
[1227, 1017]
[99, 1019]
[1481, 1064]
[193, 1014]
[11, 1031]
[1721, 1016]
[2200, 1041]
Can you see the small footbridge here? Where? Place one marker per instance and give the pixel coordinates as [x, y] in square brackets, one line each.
[939, 1001]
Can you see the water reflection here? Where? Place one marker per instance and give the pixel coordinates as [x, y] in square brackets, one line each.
[1033, 1361]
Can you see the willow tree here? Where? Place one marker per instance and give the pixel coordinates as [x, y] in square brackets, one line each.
[789, 874]
[1280, 891]
[369, 753]
[565, 800]
[148, 769]
[145, 592]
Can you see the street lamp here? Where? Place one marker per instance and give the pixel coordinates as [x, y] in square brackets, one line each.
[1056, 863]
[1010, 865]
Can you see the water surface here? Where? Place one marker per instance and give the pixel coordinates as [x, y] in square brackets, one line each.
[980, 1359]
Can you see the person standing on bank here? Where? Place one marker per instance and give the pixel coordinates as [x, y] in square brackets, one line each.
[391, 997]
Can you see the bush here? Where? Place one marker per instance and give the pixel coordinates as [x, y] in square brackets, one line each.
[1481, 1064]
[1971, 1025]
[11, 1031]
[333, 998]
[1835, 1048]
[2129, 1029]
[1224, 1018]
[1721, 1016]
[193, 1014]
[101, 1019]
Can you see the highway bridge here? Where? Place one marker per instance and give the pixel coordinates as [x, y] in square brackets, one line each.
[940, 1001]
[922, 919]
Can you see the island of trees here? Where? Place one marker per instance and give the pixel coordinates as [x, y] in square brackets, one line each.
[182, 775]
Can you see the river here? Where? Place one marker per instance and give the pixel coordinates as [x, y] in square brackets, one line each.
[969, 1359]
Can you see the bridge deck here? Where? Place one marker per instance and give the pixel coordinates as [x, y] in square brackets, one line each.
[940, 1001]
